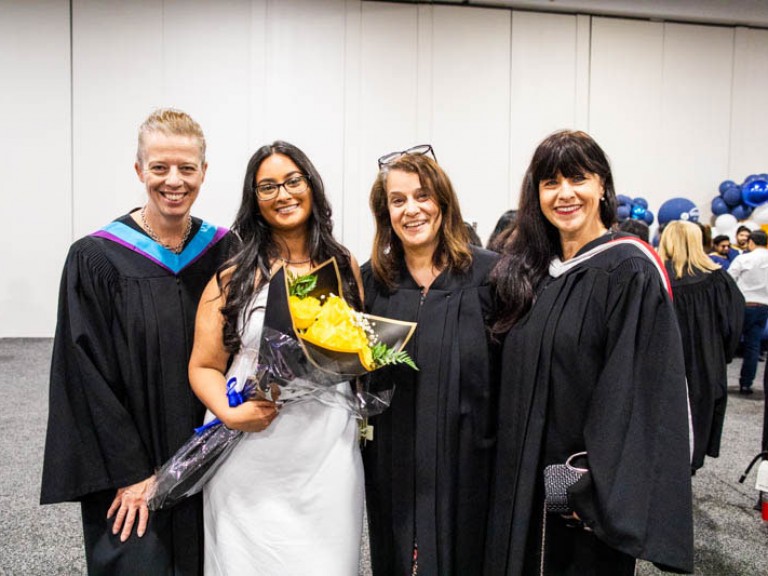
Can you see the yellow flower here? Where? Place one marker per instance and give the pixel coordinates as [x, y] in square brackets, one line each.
[366, 358]
[304, 311]
[336, 328]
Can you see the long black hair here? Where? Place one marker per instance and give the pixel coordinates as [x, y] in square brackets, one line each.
[535, 241]
[255, 248]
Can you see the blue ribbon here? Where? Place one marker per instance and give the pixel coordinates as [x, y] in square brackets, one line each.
[234, 397]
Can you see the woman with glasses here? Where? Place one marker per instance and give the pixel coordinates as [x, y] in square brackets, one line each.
[289, 498]
[591, 362]
[710, 313]
[428, 466]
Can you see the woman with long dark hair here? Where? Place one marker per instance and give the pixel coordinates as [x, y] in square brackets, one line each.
[288, 499]
[428, 466]
[709, 309]
[591, 362]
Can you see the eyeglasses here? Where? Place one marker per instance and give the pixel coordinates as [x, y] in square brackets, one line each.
[295, 185]
[419, 150]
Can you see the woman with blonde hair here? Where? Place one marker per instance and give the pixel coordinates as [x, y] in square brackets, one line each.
[709, 309]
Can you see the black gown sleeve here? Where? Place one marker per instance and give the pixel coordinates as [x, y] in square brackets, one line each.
[92, 443]
[637, 495]
[731, 312]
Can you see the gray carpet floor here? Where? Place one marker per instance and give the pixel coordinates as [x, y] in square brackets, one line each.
[731, 540]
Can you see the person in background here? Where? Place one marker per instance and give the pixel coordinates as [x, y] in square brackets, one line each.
[505, 225]
[474, 239]
[635, 227]
[591, 362]
[709, 309]
[289, 497]
[750, 270]
[742, 239]
[721, 247]
[120, 401]
[706, 236]
[428, 467]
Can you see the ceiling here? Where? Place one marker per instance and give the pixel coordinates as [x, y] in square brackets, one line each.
[752, 13]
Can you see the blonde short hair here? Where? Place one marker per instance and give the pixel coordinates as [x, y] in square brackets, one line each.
[170, 121]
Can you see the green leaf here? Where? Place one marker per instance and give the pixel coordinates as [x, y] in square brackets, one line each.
[383, 355]
[301, 286]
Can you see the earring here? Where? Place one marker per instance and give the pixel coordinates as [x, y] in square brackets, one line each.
[602, 199]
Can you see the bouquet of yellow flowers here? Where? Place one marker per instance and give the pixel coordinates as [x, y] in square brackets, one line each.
[314, 347]
[319, 340]
[327, 324]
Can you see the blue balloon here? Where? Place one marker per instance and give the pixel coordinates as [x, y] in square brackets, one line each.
[678, 209]
[622, 199]
[732, 195]
[640, 202]
[648, 217]
[719, 206]
[623, 211]
[741, 212]
[638, 212]
[725, 184]
[754, 191]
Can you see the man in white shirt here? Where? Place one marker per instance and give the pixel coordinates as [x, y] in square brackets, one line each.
[750, 270]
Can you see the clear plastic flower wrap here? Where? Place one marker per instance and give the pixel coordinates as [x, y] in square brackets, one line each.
[311, 350]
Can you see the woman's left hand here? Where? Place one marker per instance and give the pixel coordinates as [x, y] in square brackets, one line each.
[572, 520]
[129, 501]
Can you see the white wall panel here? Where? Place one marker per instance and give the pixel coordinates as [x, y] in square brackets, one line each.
[35, 162]
[749, 115]
[470, 108]
[386, 95]
[205, 72]
[303, 84]
[545, 84]
[117, 80]
[625, 102]
[696, 106]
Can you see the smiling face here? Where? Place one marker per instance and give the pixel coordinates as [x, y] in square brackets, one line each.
[286, 211]
[723, 247]
[172, 172]
[572, 205]
[413, 212]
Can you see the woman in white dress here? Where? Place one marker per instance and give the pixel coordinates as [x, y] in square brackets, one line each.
[289, 498]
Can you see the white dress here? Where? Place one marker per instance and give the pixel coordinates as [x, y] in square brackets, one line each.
[288, 500]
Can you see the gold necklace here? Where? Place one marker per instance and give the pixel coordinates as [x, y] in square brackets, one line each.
[295, 262]
[177, 248]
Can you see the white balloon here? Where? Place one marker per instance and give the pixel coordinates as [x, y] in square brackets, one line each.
[760, 214]
[725, 224]
[751, 224]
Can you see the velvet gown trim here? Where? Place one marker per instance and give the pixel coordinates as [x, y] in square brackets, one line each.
[206, 237]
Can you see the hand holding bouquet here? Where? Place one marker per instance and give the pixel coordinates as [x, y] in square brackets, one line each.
[312, 341]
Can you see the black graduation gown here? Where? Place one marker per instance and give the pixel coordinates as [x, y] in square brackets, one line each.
[710, 313]
[120, 400]
[428, 468]
[595, 366]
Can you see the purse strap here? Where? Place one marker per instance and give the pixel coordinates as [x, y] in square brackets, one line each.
[543, 538]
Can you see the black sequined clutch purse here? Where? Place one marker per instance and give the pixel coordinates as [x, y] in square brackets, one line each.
[557, 479]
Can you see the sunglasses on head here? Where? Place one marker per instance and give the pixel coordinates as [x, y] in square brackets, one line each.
[419, 150]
